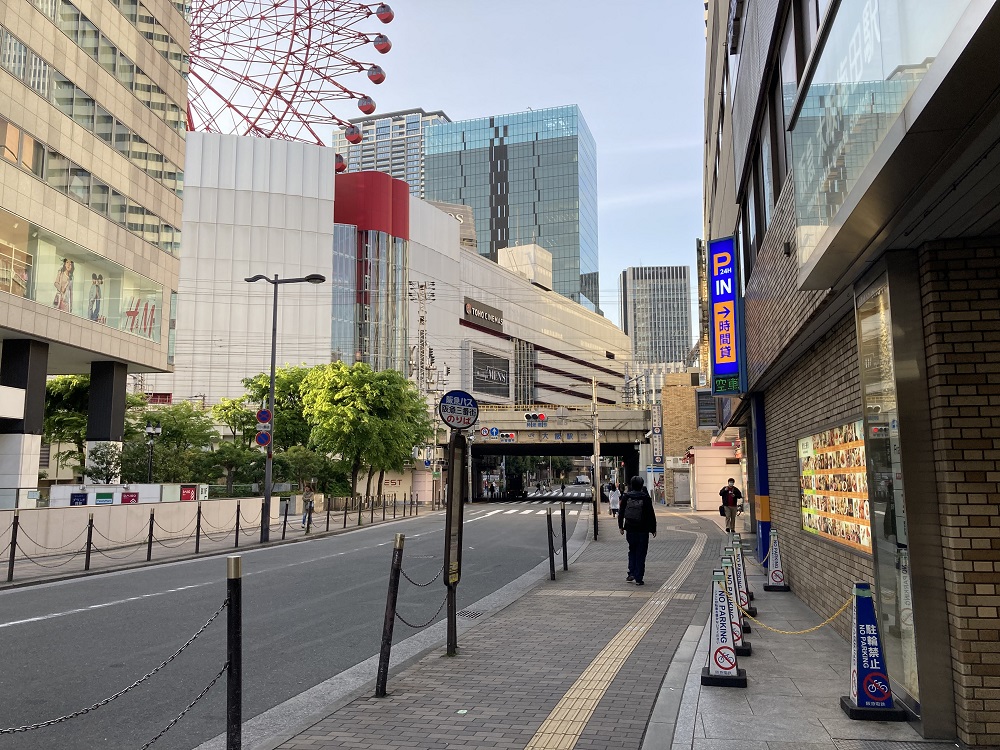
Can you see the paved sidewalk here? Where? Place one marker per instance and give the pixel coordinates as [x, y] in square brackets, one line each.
[590, 661]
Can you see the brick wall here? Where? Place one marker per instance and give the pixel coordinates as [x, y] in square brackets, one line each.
[680, 415]
[775, 311]
[960, 296]
[823, 387]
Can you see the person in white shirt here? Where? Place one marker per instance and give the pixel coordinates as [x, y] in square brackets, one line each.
[614, 498]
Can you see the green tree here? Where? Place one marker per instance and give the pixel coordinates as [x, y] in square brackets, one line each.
[229, 459]
[178, 452]
[105, 461]
[402, 423]
[234, 414]
[299, 465]
[290, 426]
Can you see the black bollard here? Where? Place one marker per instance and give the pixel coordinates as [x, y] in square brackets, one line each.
[393, 504]
[13, 546]
[382, 503]
[371, 509]
[237, 544]
[416, 504]
[552, 547]
[562, 511]
[328, 514]
[90, 542]
[234, 653]
[265, 523]
[345, 512]
[149, 540]
[284, 524]
[596, 509]
[390, 616]
[360, 508]
[197, 530]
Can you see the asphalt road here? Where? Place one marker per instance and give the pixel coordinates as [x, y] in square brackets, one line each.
[310, 611]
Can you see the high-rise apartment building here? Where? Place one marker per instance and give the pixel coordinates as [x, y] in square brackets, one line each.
[390, 143]
[656, 313]
[92, 123]
[530, 178]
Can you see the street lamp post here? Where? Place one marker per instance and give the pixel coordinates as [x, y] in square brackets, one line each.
[151, 433]
[313, 278]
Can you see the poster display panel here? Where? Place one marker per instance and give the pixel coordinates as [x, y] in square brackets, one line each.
[833, 482]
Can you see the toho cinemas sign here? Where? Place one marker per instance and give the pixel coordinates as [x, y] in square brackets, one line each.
[483, 315]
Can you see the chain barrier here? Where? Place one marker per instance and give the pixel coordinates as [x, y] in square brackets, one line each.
[141, 535]
[226, 527]
[187, 708]
[421, 585]
[22, 532]
[179, 531]
[120, 693]
[67, 561]
[221, 538]
[813, 629]
[182, 542]
[117, 557]
[557, 543]
[417, 627]
[9, 527]
[249, 524]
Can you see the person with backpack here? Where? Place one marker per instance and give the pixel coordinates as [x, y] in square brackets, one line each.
[637, 520]
[732, 499]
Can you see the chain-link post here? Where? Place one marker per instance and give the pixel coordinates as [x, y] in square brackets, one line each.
[149, 539]
[345, 512]
[234, 653]
[328, 514]
[371, 509]
[552, 548]
[284, 521]
[382, 503]
[360, 508]
[236, 545]
[90, 541]
[265, 520]
[562, 512]
[13, 545]
[197, 529]
[390, 616]
[416, 504]
[393, 504]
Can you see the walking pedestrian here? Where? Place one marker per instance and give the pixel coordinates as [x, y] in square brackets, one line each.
[732, 498]
[563, 485]
[307, 504]
[637, 521]
[614, 498]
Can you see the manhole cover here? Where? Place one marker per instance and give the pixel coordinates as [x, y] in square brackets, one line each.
[471, 614]
[892, 745]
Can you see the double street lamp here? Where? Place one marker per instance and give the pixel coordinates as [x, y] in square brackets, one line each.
[151, 433]
[313, 278]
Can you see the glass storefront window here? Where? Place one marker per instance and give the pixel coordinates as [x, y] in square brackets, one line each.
[890, 541]
[875, 54]
[40, 266]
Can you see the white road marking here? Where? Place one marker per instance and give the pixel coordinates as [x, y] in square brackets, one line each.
[526, 512]
[574, 512]
[541, 513]
[508, 512]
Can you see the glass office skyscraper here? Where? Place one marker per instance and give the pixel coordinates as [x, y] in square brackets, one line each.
[529, 177]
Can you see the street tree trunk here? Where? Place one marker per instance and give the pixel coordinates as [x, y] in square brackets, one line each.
[381, 478]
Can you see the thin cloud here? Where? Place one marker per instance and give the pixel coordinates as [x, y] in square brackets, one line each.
[679, 191]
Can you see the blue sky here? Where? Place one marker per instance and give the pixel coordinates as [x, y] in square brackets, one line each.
[635, 69]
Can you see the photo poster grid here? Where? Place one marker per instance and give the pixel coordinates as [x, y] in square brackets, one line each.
[833, 482]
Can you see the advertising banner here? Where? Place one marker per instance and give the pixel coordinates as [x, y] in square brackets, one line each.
[78, 498]
[833, 482]
[490, 374]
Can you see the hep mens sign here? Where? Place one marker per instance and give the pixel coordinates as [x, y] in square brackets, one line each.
[726, 319]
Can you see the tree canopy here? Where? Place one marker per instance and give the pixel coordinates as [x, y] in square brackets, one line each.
[290, 427]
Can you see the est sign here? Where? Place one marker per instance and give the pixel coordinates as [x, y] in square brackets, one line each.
[458, 409]
[725, 318]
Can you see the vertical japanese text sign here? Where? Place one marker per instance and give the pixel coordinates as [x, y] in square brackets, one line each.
[725, 318]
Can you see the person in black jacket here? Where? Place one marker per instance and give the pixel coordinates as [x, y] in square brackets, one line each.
[636, 520]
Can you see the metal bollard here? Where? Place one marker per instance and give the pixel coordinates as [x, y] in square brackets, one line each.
[382, 503]
[328, 515]
[360, 508]
[390, 616]
[416, 504]
[552, 548]
[149, 541]
[404, 505]
[345, 512]
[197, 530]
[562, 511]
[393, 504]
[234, 653]
[90, 541]
[596, 513]
[13, 545]
[284, 524]
[265, 523]
[237, 544]
[371, 509]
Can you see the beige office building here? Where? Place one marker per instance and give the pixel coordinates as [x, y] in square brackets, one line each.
[92, 124]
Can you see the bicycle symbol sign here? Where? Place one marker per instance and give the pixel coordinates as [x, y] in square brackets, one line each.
[876, 686]
[725, 657]
[777, 577]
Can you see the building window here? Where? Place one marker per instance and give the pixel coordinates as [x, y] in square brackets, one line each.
[708, 410]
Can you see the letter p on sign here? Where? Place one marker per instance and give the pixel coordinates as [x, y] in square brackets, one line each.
[720, 260]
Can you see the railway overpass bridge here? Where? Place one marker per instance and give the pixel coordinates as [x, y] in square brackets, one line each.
[564, 431]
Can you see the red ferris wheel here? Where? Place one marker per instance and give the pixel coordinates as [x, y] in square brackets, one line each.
[272, 68]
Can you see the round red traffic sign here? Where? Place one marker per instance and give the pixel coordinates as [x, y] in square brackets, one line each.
[263, 415]
[724, 657]
[263, 439]
[876, 686]
[777, 576]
